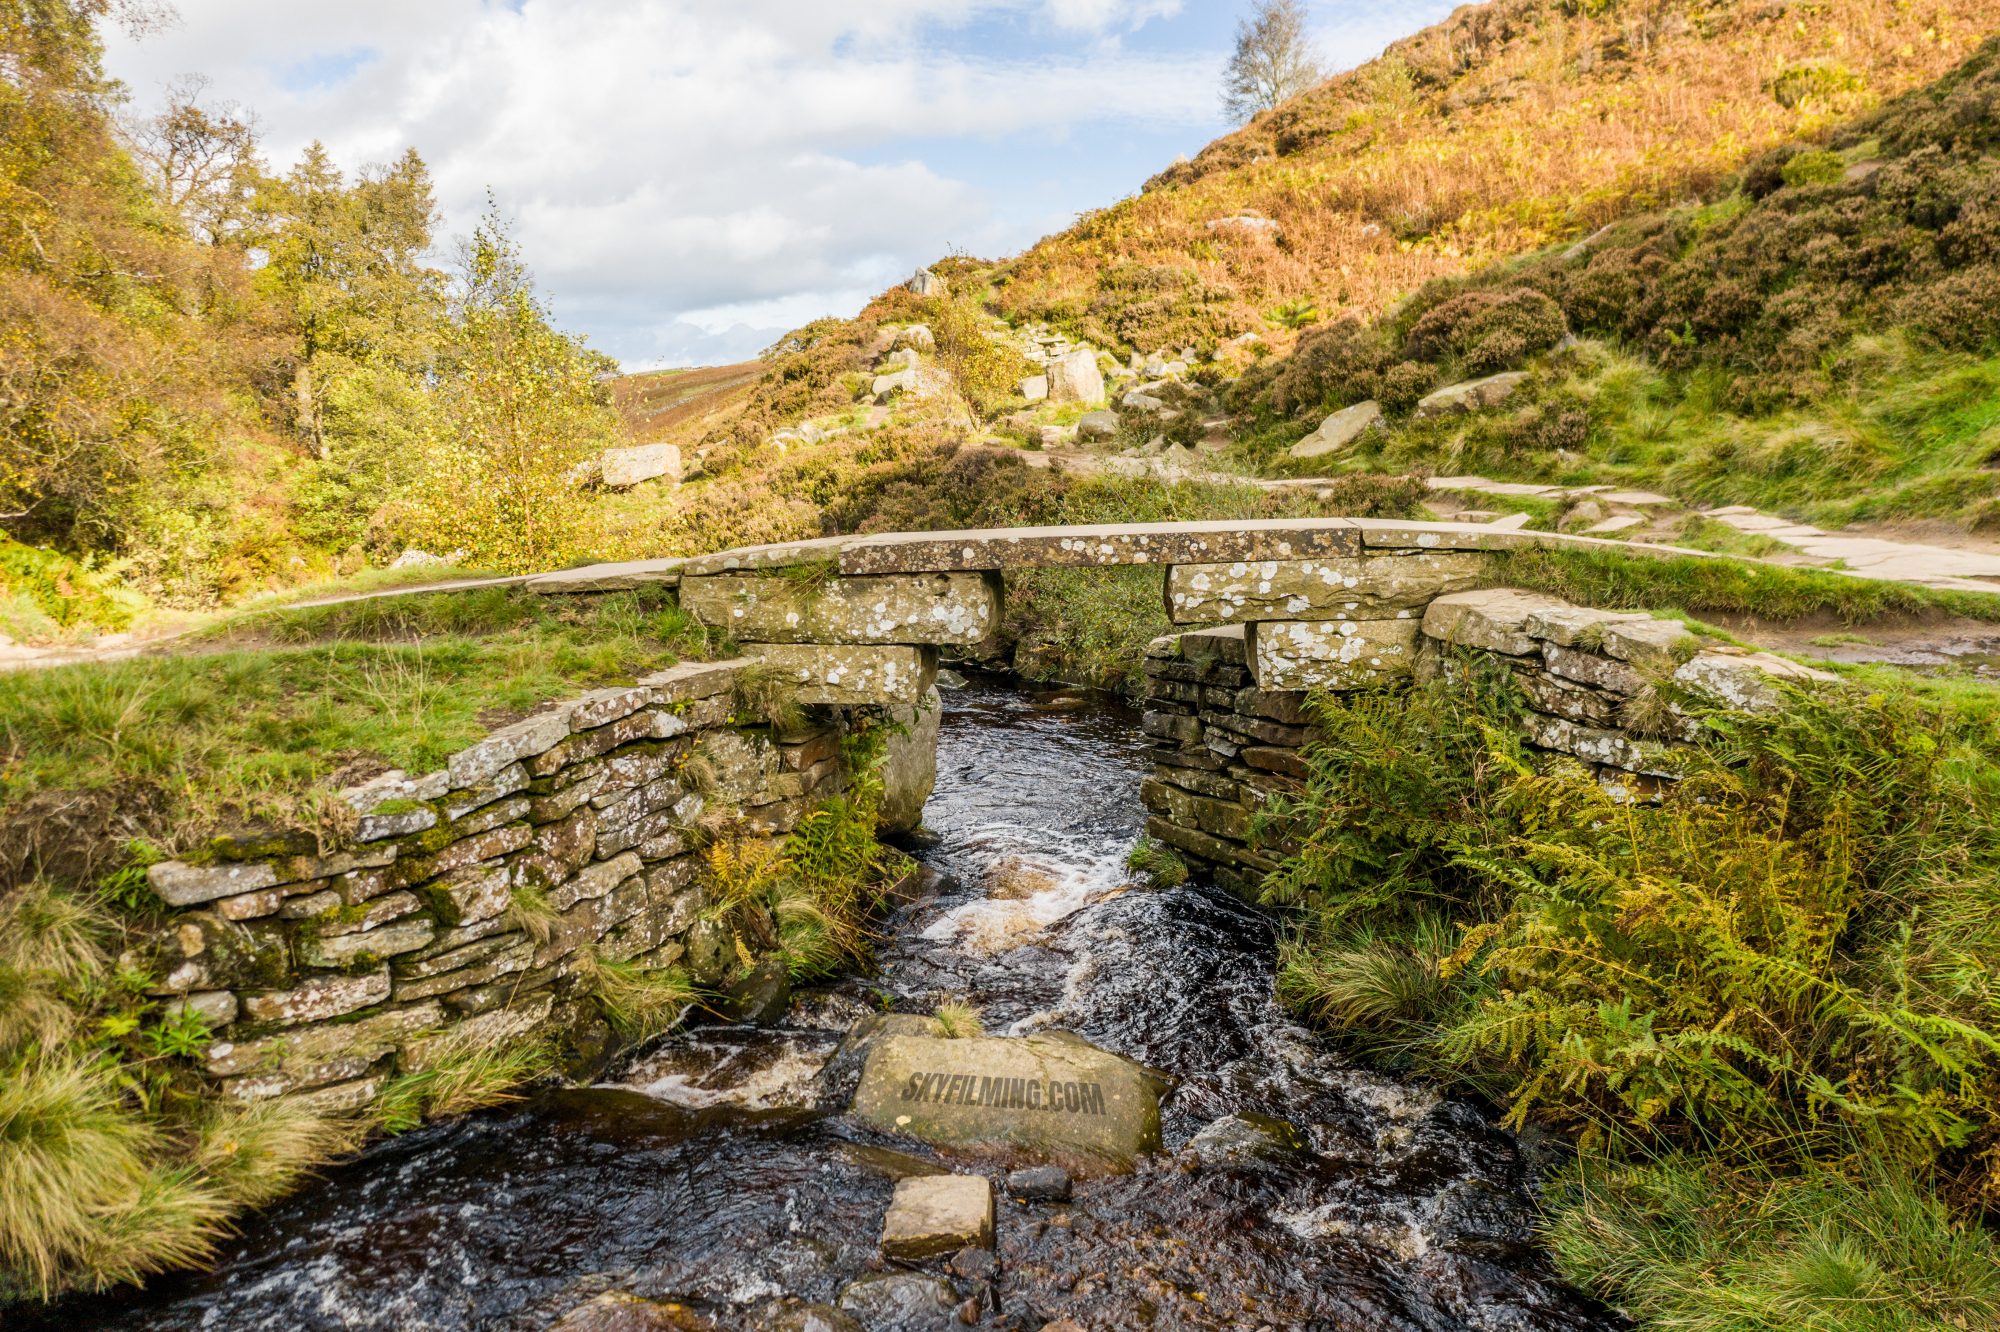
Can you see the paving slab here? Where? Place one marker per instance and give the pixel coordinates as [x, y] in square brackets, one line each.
[1101, 546]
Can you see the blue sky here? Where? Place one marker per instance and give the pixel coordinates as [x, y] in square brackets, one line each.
[691, 178]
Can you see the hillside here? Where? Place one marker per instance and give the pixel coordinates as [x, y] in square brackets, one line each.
[1509, 126]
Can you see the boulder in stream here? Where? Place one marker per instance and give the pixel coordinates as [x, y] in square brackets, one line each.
[1248, 1141]
[1047, 1097]
[894, 1301]
[617, 1311]
[937, 1214]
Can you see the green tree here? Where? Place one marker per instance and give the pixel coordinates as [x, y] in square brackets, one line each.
[521, 411]
[1274, 60]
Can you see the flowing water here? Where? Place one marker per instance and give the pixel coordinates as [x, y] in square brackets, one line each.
[716, 1170]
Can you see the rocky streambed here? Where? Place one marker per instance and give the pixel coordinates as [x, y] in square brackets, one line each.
[722, 1181]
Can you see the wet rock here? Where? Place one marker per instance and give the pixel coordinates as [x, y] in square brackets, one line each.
[761, 996]
[888, 1162]
[1039, 1183]
[1248, 1140]
[1477, 1217]
[974, 1263]
[900, 1301]
[843, 1071]
[936, 1214]
[909, 768]
[616, 1311]
[810, 1318]
[1046, 1097]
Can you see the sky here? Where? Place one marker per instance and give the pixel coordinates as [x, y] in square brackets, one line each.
[691, 179]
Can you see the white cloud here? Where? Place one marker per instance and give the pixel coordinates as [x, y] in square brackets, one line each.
[665, 160]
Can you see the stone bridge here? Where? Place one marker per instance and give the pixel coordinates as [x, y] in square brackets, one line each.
[1290, 605]
[325, 969]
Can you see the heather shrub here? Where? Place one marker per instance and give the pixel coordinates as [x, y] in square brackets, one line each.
[1485, 331]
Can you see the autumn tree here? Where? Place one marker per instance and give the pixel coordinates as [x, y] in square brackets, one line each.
[202, 160]
[520, 412]
[1274, 60]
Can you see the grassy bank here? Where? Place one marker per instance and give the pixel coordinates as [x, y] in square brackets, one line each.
[277, 710]
[1763, 1007]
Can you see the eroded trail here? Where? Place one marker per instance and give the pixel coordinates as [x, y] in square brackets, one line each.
[717, 1170]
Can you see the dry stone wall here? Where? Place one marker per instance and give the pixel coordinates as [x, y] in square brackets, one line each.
[1227, 707]
[322, 975]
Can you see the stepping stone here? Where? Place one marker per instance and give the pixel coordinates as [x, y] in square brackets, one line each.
[934, 1214]
[1641, 498]
[1623, 522]
[1513, 522]
[1730, 511]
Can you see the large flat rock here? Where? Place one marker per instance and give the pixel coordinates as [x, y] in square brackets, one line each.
[1366, 587]
[1102, 545]
[933, 608]
[1331, 654]
[851, 675]
[1046, 1097]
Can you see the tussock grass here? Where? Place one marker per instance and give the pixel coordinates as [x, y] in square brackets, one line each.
[1682, 1243]
[255, 1153]
[462, 1074]
[1161, 865]
[641, 1002]
[84, 1196]
[958, 1020]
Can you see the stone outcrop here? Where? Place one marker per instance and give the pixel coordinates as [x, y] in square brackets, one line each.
[622, 468]
[1475, 395]
[1044, 1097]
[1339, 431]
[324, 975]
[1076, 378]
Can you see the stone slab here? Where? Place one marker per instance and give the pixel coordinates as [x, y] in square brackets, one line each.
[854, 676]
[938, 1214]
[1396, 534]
[937, 608]
[1331, 654]
[1494, 620]
[779, 555]
[1354, 588]
[1043, 1097]
[620, 577]
[1101, 545]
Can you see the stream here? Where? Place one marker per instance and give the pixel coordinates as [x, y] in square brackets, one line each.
[714, 1170]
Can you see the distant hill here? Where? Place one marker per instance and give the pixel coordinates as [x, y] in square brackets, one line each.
[1507, 127]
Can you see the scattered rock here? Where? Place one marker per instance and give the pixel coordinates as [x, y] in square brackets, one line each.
[1338, 432]
[621, 468]
[617, 1311]
[1039, 1183]
[1076, 378]
[895, 1301]
[934, 1214]
[1035, 388]
[810, 1318]
[887, 386]
[919, 337]
[1097, 425]
[1474, 395]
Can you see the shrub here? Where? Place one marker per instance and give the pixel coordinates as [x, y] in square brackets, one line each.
[1404, 386]
[1485, 331]
[1332, 366]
